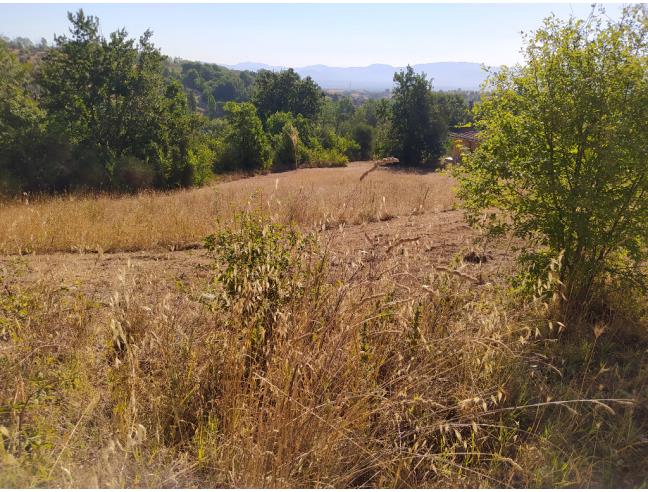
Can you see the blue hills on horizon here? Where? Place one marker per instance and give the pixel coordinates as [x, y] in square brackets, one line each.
[379, 77]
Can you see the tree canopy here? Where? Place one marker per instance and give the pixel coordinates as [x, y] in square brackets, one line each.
[110, 99]
[286, 91]
[213, 85]
[20, 119]
[246, 145]
[418, 129]
[111, 112]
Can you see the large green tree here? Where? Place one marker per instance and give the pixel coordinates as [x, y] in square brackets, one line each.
[564, 151]
[246, 145]
[109, 97]
[454, 108]
[20, 121]
[285, 91]
[418, 129]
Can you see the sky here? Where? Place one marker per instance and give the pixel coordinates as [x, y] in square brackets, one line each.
[308, 34]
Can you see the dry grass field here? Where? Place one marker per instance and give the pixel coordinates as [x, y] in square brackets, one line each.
[307, 197]
[382, 348]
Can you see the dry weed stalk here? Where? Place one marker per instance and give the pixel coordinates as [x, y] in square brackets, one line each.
[382, 162]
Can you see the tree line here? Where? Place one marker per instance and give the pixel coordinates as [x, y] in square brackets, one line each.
[113, 113]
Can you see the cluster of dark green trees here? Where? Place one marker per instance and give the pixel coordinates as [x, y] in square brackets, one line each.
[113, 113]
[96, 112]
[211, 86]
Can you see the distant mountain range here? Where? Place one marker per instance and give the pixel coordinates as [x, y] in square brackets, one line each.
[378, 77]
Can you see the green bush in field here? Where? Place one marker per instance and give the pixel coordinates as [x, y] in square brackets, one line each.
[260, 269]
[296, 141]
[564, 151]
[321, 157]
[338, 144]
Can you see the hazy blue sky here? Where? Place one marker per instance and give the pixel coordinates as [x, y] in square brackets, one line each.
[308, 34]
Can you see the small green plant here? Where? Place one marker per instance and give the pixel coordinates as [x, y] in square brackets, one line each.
[260, 269]
[320, 157]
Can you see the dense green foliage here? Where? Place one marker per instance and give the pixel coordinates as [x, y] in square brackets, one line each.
[212, 85]
[20, 118]
[288, 133]
[105, 117]
[564, 152]
[457, 106]
[365, 136]
[110, 100]
[245, 143]
[114, 113]
[418, 123]
[286, 91]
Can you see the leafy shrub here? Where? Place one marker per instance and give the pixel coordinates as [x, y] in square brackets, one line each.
[295, 141]
[260, 268]
[364, 135]
[320, 157]
[330, 140]
[285, 137]
[563, 152]
[201, 159]
[288, 148]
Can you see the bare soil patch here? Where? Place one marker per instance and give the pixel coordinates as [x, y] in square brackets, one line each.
[417, 245]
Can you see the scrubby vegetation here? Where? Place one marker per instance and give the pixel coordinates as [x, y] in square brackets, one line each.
[333, 327]
[564, 152]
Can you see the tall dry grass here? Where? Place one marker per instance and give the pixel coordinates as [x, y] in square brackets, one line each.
[363, 381]
[308, 197]
[357, 388]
